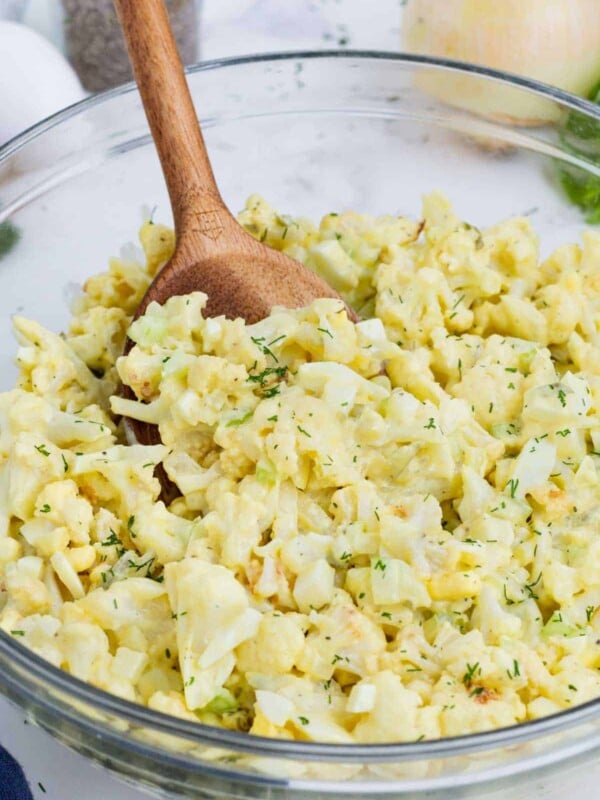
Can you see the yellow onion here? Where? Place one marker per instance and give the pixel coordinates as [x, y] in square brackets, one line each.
[554, 41]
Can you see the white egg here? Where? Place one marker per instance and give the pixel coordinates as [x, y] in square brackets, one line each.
[36, 80]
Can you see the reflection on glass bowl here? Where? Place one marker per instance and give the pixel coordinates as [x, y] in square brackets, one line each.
[312, 132]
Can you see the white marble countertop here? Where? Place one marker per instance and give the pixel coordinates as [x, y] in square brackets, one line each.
[228, 27]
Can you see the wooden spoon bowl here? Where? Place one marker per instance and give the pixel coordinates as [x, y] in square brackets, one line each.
[213, 254]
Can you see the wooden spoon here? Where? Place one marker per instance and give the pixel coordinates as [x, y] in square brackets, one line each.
[213, 253]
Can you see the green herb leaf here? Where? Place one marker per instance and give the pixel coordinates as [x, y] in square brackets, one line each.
[9, 236]
[233, 423]
[562, 397]
[470, 673]
[130, 524]
[268, 380]
[581, 137]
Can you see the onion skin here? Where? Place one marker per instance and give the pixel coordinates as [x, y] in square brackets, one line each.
[553, 41]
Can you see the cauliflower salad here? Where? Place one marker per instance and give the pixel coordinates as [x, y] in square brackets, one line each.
[386, 531]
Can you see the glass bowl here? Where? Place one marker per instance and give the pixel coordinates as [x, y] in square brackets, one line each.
[312, 132]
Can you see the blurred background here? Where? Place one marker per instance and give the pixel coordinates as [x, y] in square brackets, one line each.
[54, 52]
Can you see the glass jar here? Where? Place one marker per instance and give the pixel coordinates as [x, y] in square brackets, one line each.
[94, 44]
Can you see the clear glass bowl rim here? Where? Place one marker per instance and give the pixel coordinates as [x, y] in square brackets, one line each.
[201, 734]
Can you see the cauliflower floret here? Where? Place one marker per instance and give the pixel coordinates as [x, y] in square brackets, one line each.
[52, 369]
[23, 581]
[161, 532]
[341, 638]
[394, 715]
[158, 243]
[97, 336]
[212, 618]
[278, 643]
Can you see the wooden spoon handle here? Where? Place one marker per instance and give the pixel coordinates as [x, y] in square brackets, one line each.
[195, 199]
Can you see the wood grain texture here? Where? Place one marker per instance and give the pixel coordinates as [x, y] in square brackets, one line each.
[213, 254]
[169, 109]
